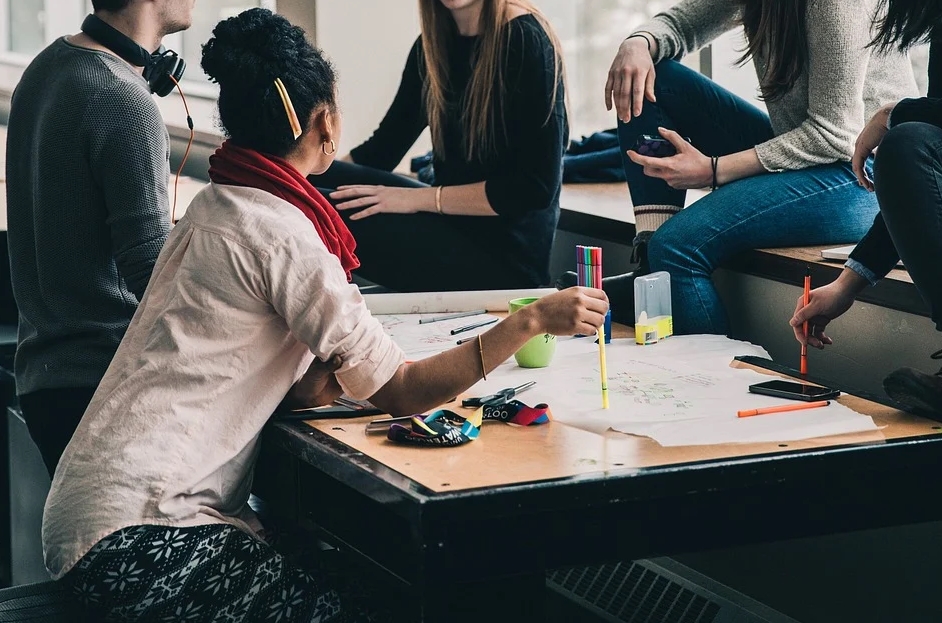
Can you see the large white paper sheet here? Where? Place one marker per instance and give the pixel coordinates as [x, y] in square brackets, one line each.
[680, 391]
[442, 302]
[419, 341]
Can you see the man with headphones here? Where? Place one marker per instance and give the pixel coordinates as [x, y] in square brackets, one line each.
[87, 202]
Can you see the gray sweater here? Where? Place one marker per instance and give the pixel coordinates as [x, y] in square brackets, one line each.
[819, 120]
[87, 208]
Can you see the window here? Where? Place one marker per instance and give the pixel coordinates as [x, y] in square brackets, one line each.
[205, 17]
[27, 26]
[27, 29]
[590, 31]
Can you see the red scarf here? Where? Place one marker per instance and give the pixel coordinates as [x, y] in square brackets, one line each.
[235, 166]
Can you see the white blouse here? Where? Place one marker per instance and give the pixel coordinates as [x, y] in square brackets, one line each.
[243, 297]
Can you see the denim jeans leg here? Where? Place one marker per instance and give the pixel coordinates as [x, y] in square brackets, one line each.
[716, 121]
[820, 205]
[908, 176]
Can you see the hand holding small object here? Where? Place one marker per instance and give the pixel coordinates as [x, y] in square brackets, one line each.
[689, 168]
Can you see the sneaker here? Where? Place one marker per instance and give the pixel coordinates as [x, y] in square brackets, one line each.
[915, 389]
[639, 252]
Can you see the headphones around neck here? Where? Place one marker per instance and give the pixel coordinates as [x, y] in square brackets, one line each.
[161, 68]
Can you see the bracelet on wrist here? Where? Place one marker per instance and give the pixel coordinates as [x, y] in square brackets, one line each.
[714, 164]
[639, 35]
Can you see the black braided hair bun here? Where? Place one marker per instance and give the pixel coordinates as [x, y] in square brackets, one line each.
[245, 55]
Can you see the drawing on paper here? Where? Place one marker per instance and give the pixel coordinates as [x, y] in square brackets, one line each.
[390, 322]
[639, 390]
[423, 340]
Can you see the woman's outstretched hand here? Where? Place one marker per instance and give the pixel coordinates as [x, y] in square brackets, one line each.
[824, 305]
[573, 311]
[431, 382]
[381, 200]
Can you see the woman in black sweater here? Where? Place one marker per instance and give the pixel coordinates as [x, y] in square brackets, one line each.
[907, 174]
[494, 100]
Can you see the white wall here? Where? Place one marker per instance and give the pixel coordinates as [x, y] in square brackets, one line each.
[369, 46]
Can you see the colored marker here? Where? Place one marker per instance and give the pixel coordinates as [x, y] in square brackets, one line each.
[783, 408]
[804, 346]
[602, 368]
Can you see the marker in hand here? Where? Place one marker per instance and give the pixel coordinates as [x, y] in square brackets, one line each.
[804, 345]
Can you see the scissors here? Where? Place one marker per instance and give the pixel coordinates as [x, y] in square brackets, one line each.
[504, 395]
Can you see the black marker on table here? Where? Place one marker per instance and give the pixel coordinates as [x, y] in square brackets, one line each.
[473, 326]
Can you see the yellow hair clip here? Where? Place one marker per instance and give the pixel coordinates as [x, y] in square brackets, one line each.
[289, 108]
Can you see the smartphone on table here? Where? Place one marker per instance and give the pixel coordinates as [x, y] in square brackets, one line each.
[794, 391]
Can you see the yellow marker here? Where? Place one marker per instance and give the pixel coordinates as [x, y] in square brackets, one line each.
[602, 369]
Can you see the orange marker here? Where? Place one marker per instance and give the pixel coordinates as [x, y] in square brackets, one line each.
[804, 347]
[783, 408]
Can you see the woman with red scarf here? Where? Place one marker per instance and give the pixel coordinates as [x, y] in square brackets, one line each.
[249, 306]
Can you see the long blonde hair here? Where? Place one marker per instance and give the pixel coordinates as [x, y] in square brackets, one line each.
[482, 109]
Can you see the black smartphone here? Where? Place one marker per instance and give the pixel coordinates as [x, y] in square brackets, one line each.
[655, 146]
[794, 391]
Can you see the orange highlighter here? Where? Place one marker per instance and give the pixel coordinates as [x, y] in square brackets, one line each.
[783, 408]
[804, 346]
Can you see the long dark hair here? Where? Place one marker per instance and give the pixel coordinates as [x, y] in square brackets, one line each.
[904, 23]
[776, 31]
[485, 92]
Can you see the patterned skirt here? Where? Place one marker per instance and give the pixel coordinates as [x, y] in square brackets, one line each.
[204, 573]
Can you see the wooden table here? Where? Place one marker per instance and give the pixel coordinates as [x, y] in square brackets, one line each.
[470, 531]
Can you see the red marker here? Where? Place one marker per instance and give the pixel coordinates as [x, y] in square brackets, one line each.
[783, 408]
[804, 346]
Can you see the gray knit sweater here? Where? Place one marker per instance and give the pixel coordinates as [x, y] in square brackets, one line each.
[87, 208]
[819, 120]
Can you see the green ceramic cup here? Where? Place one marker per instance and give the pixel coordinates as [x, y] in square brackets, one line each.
[538, 351]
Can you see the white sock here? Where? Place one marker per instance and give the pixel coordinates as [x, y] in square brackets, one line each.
[650, 217]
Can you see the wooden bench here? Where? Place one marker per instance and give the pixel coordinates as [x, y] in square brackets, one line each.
[600, 211]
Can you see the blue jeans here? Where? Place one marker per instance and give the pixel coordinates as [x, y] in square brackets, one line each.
[821, 205]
